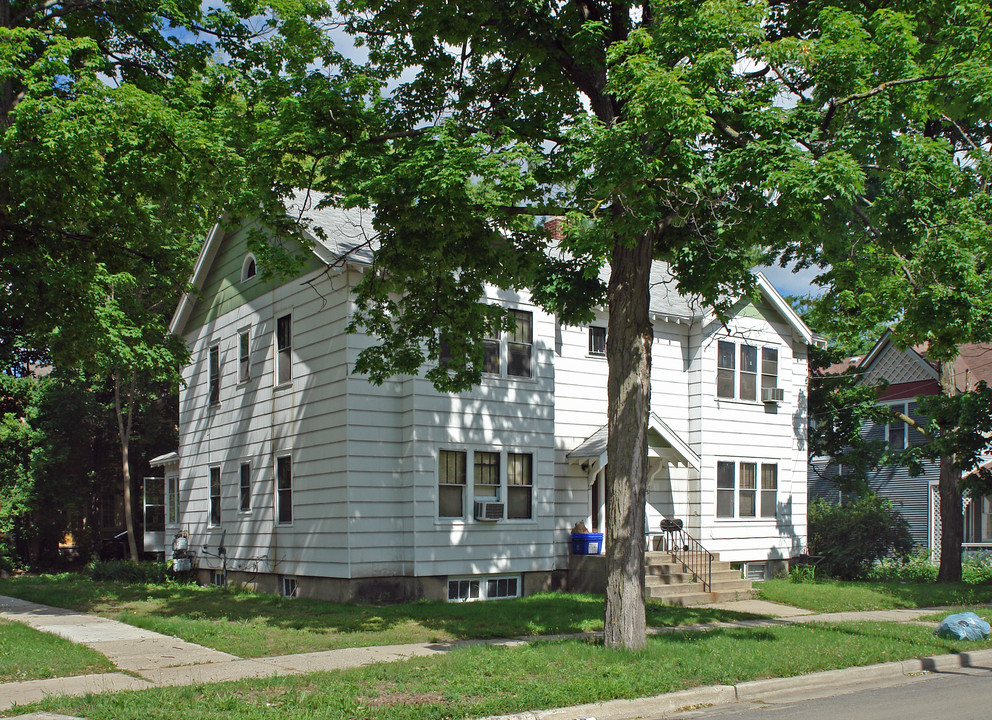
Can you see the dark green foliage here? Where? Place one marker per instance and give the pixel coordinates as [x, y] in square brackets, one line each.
[917, 567]
[977, 568]
[852, 536]
[128, 571]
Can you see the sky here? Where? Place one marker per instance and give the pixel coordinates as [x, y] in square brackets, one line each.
[789, 283]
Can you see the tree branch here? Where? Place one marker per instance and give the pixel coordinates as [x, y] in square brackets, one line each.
[834, 104]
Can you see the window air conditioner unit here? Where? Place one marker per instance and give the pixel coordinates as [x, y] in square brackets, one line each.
[772, 395]
[489, 511]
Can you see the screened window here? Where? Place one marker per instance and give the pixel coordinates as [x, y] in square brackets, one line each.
[490, 356]
[486, 475]
[284, 349]
[597, 340]
[214, 375]
[244, 488]
[725, 489]
[215, 496]
[451, 484]
[897, 429]
[244, 356]
[743, 493]
[725, 367]
[519, 345]
[749, 372]
[741, 370]
[172, 499]
[748, 491]
[284, 490]
[519, 486]
[769, 490]
[769, 367]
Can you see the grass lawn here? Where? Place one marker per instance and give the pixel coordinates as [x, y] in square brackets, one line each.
[256, 625]
[28, 654]
[482, 680]
[840, 596]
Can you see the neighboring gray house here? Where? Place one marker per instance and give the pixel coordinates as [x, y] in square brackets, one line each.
[910, 375]
[317, 482]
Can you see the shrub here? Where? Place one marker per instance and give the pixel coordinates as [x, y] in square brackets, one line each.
[917, 567]
[127, 571]
[976, 569]
[853, 536]
[802, 574]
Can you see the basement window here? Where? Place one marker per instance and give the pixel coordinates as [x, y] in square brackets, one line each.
[489, 588]
[289, 586]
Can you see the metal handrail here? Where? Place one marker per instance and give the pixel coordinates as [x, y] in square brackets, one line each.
[688, 551]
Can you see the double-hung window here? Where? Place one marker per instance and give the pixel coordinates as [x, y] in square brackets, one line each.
[520, 344]
[597, 340]
[284, 490]
[451, 484]
[519, 486]
[244, 356]
[738, 494]
[738, 368]
[513, 350]
[244, 488]
[749, 373]
[506, 478]
[215, 496]
[284, 349]
[172, 499]
[897, 432]
[213, 374]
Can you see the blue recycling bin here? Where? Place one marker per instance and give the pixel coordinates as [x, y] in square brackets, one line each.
[587, 543]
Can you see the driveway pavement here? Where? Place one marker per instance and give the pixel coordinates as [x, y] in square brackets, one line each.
[150, 659]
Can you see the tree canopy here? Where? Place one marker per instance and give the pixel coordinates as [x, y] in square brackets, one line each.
[710, 134]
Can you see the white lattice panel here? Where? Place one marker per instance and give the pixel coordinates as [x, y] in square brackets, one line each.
[896, 367]
[935, 524]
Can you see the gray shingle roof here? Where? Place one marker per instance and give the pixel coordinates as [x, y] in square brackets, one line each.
[351, 232]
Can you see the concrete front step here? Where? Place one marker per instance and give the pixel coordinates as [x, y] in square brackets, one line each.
[664, 579]
[703, 598]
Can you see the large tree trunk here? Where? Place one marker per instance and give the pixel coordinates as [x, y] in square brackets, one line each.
[951, 522]
[949, 489]
[628, 352]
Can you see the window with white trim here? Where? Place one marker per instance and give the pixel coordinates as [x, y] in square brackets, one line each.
[215, 496]
[284, 349]
[289, 586]
[519, 486]
[511, 353]
[737, 370]
[284, 490]
[172, 499]
[244, 356]
[244, 488]
[451, 484]
[506, 477]
[483, 588]
[597, 341]
[738, 493]
[213, 375]
[249, 268]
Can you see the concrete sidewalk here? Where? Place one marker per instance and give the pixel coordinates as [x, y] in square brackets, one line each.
[150, 659]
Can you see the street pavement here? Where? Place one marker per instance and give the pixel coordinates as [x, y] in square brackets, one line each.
[147, 659]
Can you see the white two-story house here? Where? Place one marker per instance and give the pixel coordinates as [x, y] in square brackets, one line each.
[296, 474]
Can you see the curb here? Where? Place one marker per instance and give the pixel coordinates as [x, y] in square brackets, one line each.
[755, 689]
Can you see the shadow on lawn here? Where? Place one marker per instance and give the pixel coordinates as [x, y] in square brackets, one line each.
[550, 613]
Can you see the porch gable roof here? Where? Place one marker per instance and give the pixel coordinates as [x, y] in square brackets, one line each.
[663, 442]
